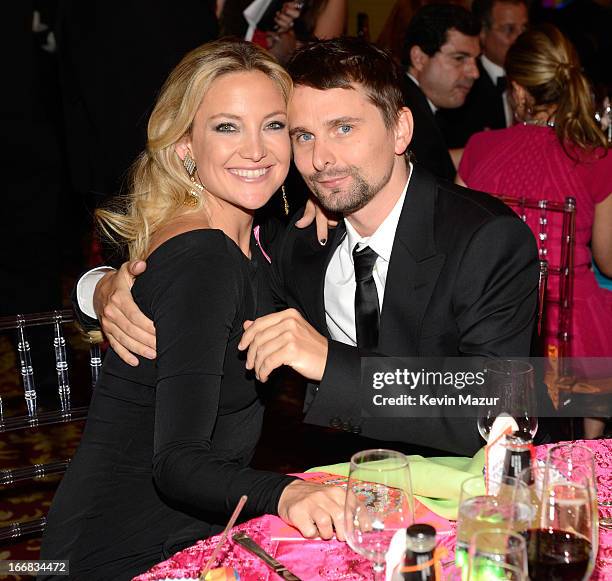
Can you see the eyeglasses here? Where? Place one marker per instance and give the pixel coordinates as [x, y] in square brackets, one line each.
[510, 30]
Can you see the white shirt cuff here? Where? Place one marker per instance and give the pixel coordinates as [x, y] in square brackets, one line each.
[86, 287]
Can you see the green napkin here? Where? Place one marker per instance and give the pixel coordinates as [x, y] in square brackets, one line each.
[436, 482]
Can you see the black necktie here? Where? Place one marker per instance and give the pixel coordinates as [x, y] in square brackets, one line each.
[502, 84]
[366, 298]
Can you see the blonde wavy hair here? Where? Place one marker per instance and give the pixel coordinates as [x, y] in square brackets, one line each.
[159, 186]
[545, 63]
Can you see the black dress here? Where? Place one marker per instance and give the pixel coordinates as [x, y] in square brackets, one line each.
[165, 452]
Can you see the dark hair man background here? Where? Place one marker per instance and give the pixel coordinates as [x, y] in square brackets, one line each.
[440, 51]
[487, 107]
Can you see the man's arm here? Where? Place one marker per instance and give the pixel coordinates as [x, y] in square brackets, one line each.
[106, 294]
[82, 297]
[496, 292]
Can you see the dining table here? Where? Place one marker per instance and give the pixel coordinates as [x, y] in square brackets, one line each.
[311, 559]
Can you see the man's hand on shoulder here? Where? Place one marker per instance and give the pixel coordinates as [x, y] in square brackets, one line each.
[127, 329]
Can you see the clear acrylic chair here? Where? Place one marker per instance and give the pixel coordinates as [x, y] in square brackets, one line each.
[35, 416]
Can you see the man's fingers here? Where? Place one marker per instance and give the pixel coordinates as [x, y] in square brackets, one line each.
[127, 342]
[123, 311]
[140, 327]
[123, 354]
[136, 267]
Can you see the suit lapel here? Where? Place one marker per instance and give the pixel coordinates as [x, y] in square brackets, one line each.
[309, 268]
[413, 269]
[494, 102]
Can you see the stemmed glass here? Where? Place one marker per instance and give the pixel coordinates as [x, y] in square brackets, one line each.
[482, 511]
[560, 514]
[482, 571]
[490, 550]
[378, 503]
[511, 381]
[566, 542]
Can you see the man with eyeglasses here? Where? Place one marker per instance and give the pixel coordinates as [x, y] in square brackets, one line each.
[487, 106]
[440, 55]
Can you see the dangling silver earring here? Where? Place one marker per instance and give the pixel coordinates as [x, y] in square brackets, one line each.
[285, 202]
[190, 167]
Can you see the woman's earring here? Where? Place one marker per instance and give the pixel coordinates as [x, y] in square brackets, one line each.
[190, 167]
[285, 202]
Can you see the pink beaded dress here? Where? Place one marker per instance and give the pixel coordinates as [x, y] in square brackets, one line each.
[528, 161]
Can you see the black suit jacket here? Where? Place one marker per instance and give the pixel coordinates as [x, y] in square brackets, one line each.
[428, 145]
[462, 280]
[483, 108]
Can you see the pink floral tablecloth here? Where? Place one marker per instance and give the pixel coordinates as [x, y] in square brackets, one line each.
[317, 560]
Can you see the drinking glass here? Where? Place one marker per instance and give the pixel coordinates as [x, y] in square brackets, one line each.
[483, 571]
[378, 502]
[490, 549]
[511, 381]
[564, 544]
[480, 510]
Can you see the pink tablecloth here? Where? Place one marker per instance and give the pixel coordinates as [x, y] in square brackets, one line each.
[316, 560]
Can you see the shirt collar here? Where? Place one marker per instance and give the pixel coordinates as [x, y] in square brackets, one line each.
[431, 105]
[382, 240]
[493, 70]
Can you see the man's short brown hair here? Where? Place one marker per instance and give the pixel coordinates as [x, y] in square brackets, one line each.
[341, 62]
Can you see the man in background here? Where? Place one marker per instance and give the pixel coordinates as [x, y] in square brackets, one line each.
[440, 52]
[487, 106]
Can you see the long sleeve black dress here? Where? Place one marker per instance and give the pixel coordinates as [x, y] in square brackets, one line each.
[165, 452]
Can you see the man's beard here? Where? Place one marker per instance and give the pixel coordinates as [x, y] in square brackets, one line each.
[357, 197]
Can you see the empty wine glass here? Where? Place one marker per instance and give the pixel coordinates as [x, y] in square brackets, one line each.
[512, 383]
[378, 503]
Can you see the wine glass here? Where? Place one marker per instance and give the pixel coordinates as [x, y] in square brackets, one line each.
[511, 382]
[480, 510]
[492, 548]
[378, 503]
[483, 571]
[564, 544]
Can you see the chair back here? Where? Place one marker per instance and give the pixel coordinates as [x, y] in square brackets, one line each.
[547, 219]
[35, 416]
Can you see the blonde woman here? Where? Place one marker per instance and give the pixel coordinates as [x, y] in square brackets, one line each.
[556, 150]
[165, 452]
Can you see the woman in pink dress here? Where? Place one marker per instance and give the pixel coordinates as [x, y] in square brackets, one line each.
[554, 151]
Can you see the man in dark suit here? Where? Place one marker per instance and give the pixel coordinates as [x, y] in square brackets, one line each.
[451, 272]
[440, 53]
[487, 107]
[418, 267]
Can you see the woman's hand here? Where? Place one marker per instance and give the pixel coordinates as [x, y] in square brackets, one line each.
[314, 509]
[313, 211]
[286, 16]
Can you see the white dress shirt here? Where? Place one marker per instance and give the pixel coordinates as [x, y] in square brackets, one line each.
[86, 287]
[340, 276]
[495, 71]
